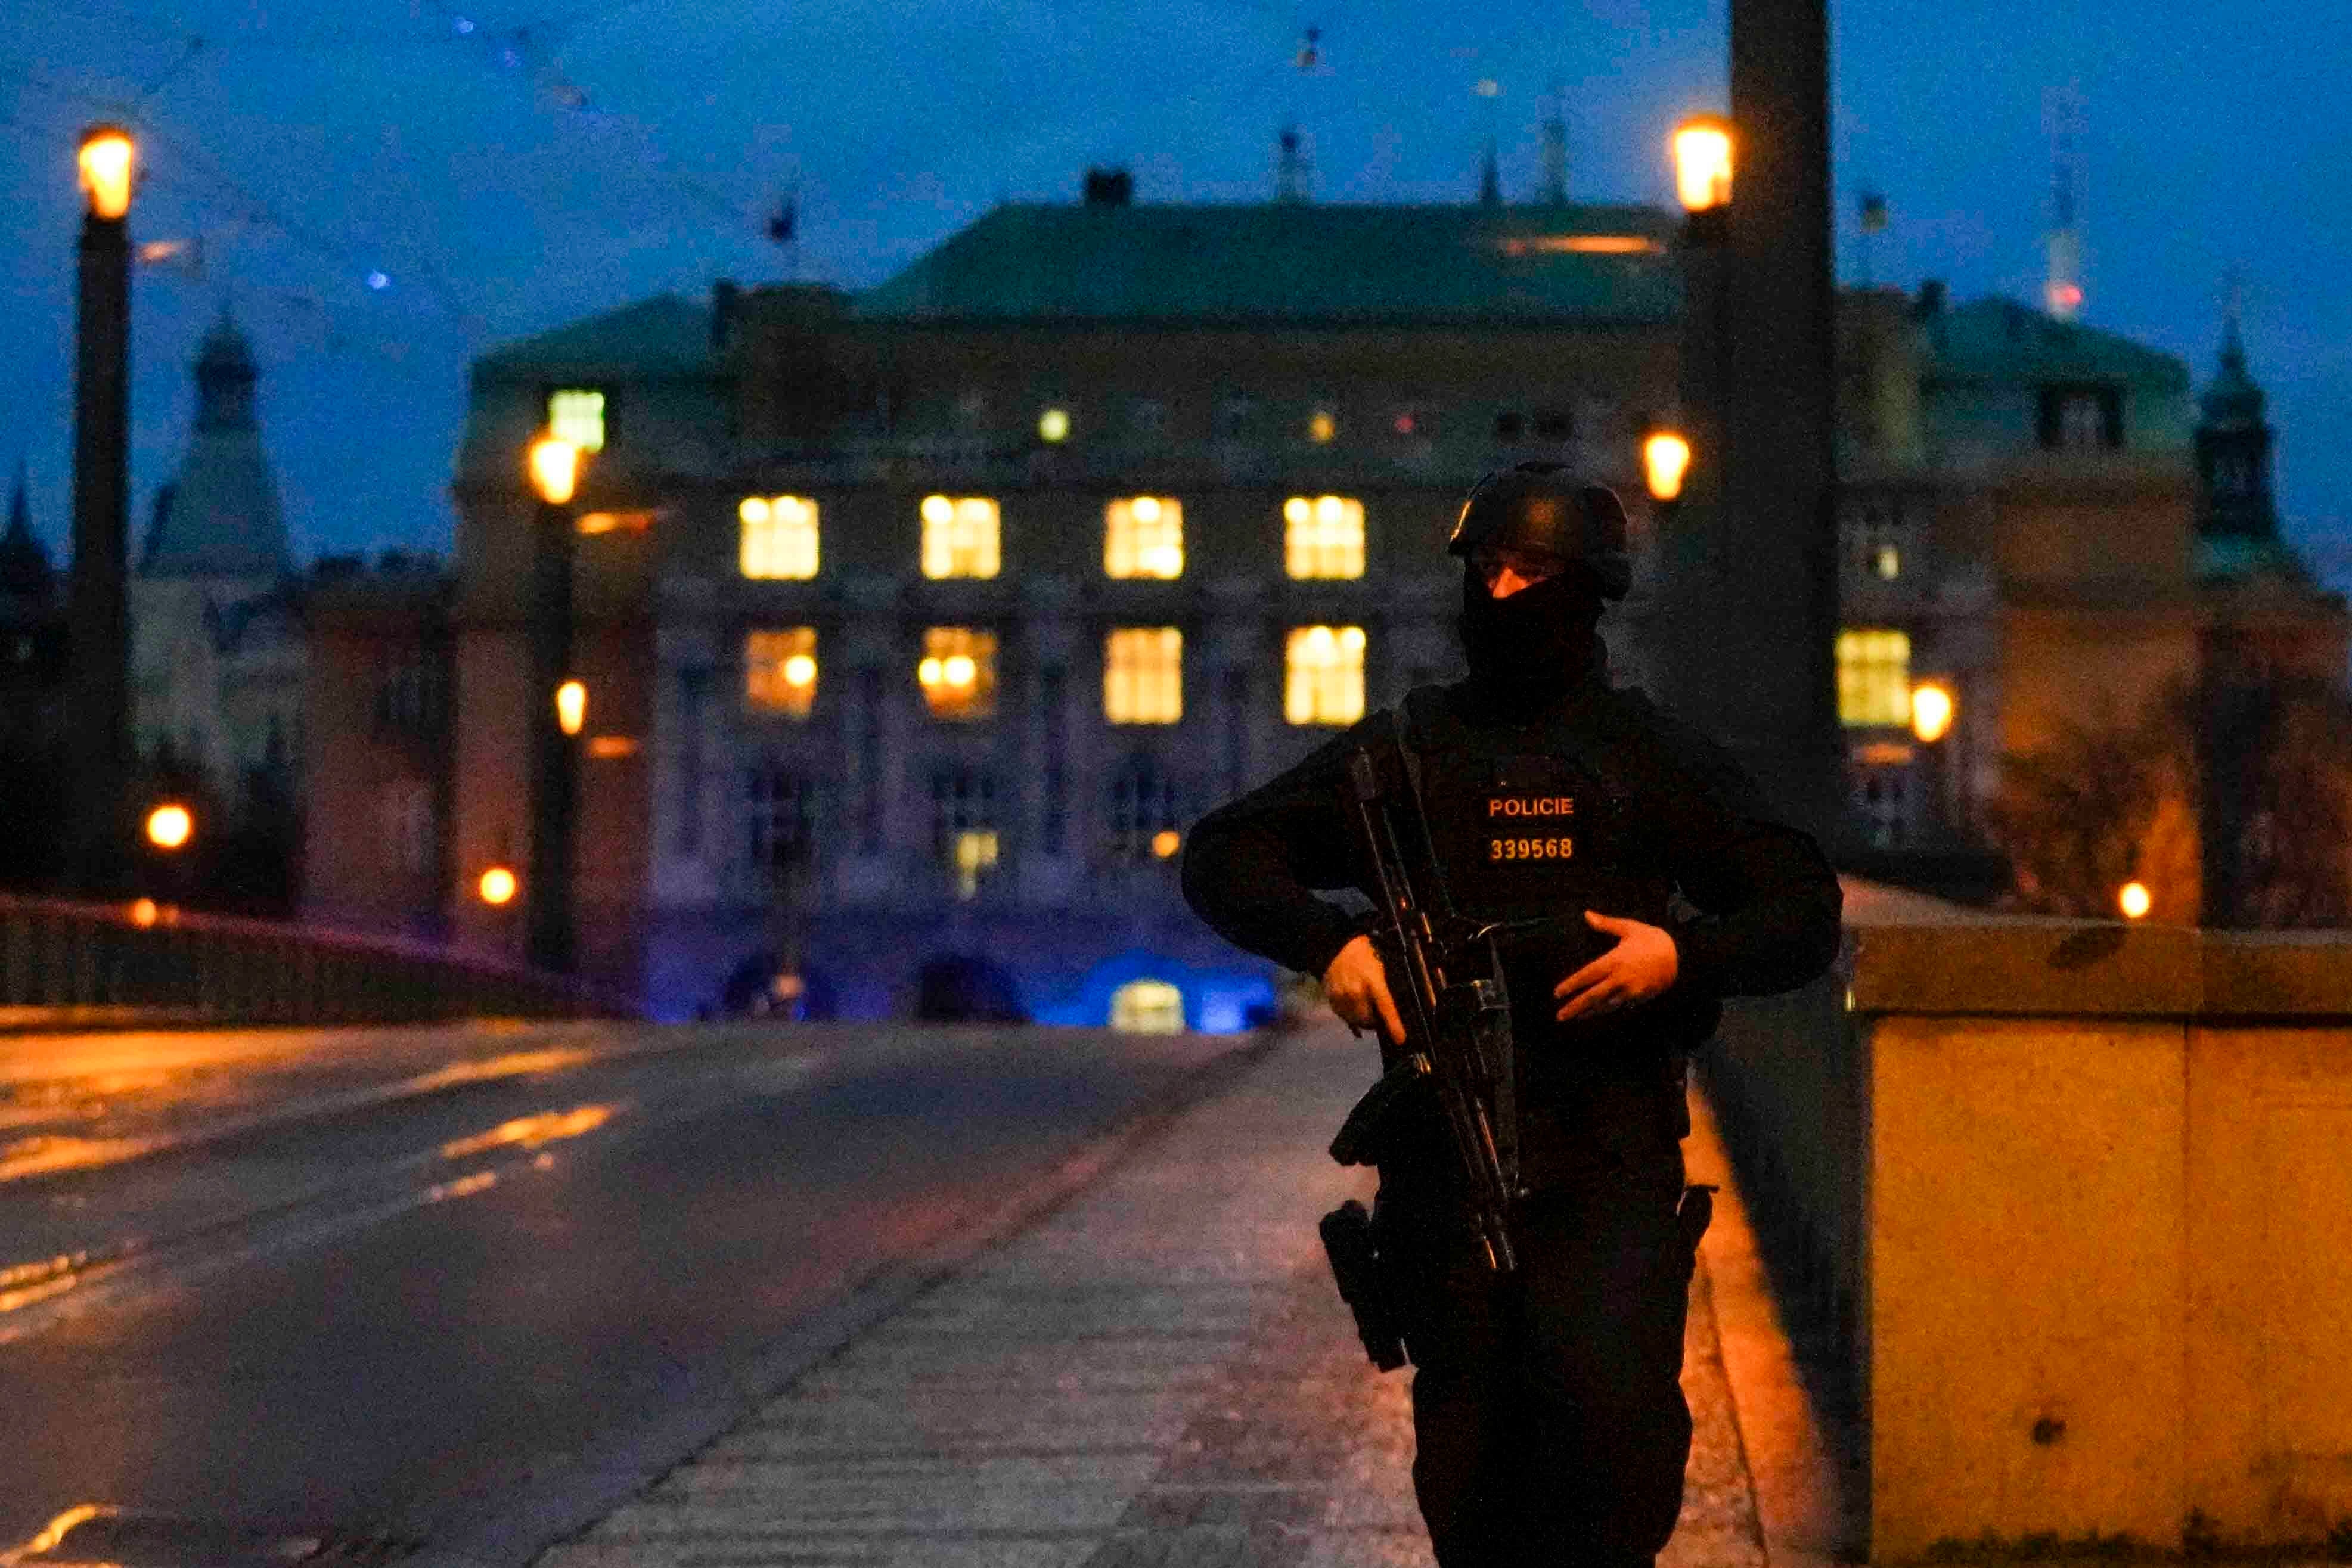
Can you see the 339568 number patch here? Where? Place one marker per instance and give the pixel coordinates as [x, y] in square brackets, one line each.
[1528, 849]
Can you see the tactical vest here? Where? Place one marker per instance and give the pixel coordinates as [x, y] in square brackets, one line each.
[1539, 824]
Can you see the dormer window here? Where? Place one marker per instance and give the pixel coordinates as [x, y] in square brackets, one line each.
[2080, 418]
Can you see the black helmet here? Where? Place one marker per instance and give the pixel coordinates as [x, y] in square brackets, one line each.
[1543, 508]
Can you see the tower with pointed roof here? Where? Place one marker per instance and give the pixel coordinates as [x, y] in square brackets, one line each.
[2236, 513]
[26, 579]
[217, 656]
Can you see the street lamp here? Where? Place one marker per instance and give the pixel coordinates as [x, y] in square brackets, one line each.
[1666, 460]
[1703, 153]
[497, 887]
[2134, 899]
[558, 707]
[1931, 711]
[170, 826]
[98, 636]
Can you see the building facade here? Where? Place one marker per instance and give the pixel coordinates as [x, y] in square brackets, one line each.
[918, 625]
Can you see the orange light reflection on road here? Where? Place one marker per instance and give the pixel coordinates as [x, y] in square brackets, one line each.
[514, 1064]
[530, 1132]
[46, 1155]
[480, 1181]
[59, 1527]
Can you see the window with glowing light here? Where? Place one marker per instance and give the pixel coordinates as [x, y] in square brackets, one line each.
[780, 671]
[1143, 535]
[959, 535]
[779, 537]
[1323, 536]
[576, 414]
[1143, 674]
[1323, 675]
[1887, 794]
[957, 672]
[1147, 1007]
[1322, 427]
[1873, 669]
[964, 824]
[1875, 538]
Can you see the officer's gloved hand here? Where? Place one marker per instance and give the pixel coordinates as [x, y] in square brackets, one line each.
[1642, 965]
[1356, 984]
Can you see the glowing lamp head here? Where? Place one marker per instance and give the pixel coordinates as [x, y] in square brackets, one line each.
[1931, 712]
[145, 912]
[498, 887]
[958, 670]
[1703, 162]
[1053, 424]
[107, 162]
[170, 826]
[1165, 842]
[554, 469]
[571, 706]
[2134, 899]
[753, 510]
[800, 670]
[1666, 460]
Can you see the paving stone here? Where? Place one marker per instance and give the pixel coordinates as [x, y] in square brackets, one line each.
[1158, 1373]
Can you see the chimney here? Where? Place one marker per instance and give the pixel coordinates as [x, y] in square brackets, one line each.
[1292, 174]
[724, 296]
[1109, 188]
[1931, 300]
[1490, 178]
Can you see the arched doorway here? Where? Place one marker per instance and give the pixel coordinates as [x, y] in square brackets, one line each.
[1147, 1007]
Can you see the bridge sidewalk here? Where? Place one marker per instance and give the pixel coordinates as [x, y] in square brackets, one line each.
[1160, 1372]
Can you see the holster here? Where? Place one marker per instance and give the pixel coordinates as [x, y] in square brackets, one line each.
[1351, 1242]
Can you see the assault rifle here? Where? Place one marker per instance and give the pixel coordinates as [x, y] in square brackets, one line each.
[1456, 1010]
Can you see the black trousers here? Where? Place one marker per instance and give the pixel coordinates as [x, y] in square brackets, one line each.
[1548, 1408]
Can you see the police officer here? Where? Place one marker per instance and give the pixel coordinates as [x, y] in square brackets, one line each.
[1548, 1412]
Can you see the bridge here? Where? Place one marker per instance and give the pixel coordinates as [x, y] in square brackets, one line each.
[2052, 1210]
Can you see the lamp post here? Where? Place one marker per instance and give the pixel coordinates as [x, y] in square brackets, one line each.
[1699, 578]
[97, 740]
[558, 706]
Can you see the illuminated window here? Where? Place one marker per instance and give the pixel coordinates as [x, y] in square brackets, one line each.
[1874, 677]
[1323, 538]
[1147, 1007]
[779, 537]
[577, 415]
[1875, 537]
[1322, 425]
[1324, 675]
[1144, 536]
[964, 824]
[780, 671]
[958, 536]
[959, 672]
[1143, 674]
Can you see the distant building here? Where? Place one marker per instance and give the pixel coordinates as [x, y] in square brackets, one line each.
[919, 624]
[216, 661]
[32, 701]
[377, 778]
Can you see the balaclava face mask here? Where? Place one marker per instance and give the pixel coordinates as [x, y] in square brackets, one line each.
[1527, 650]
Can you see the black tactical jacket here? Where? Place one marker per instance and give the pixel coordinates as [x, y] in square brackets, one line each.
[1600, 801]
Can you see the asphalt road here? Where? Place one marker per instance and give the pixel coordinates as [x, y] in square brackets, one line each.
[376, 1284]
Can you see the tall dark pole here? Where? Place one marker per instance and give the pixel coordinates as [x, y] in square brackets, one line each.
[1777, 654]
[99, 681]
[547, 887]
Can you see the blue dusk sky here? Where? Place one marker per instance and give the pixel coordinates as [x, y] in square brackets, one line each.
[385, 188]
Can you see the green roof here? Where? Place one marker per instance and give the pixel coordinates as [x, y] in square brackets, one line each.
[2000, 340]
[663, 334]
[1295, 263]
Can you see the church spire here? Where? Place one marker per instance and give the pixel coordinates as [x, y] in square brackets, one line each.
[220, 516]
[2233, 440]
[24, 564]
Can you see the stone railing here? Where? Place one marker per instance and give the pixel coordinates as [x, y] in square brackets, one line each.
[122, 965]
[2068, 1199]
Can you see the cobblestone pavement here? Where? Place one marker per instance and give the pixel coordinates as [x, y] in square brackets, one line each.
[1160, 1372]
